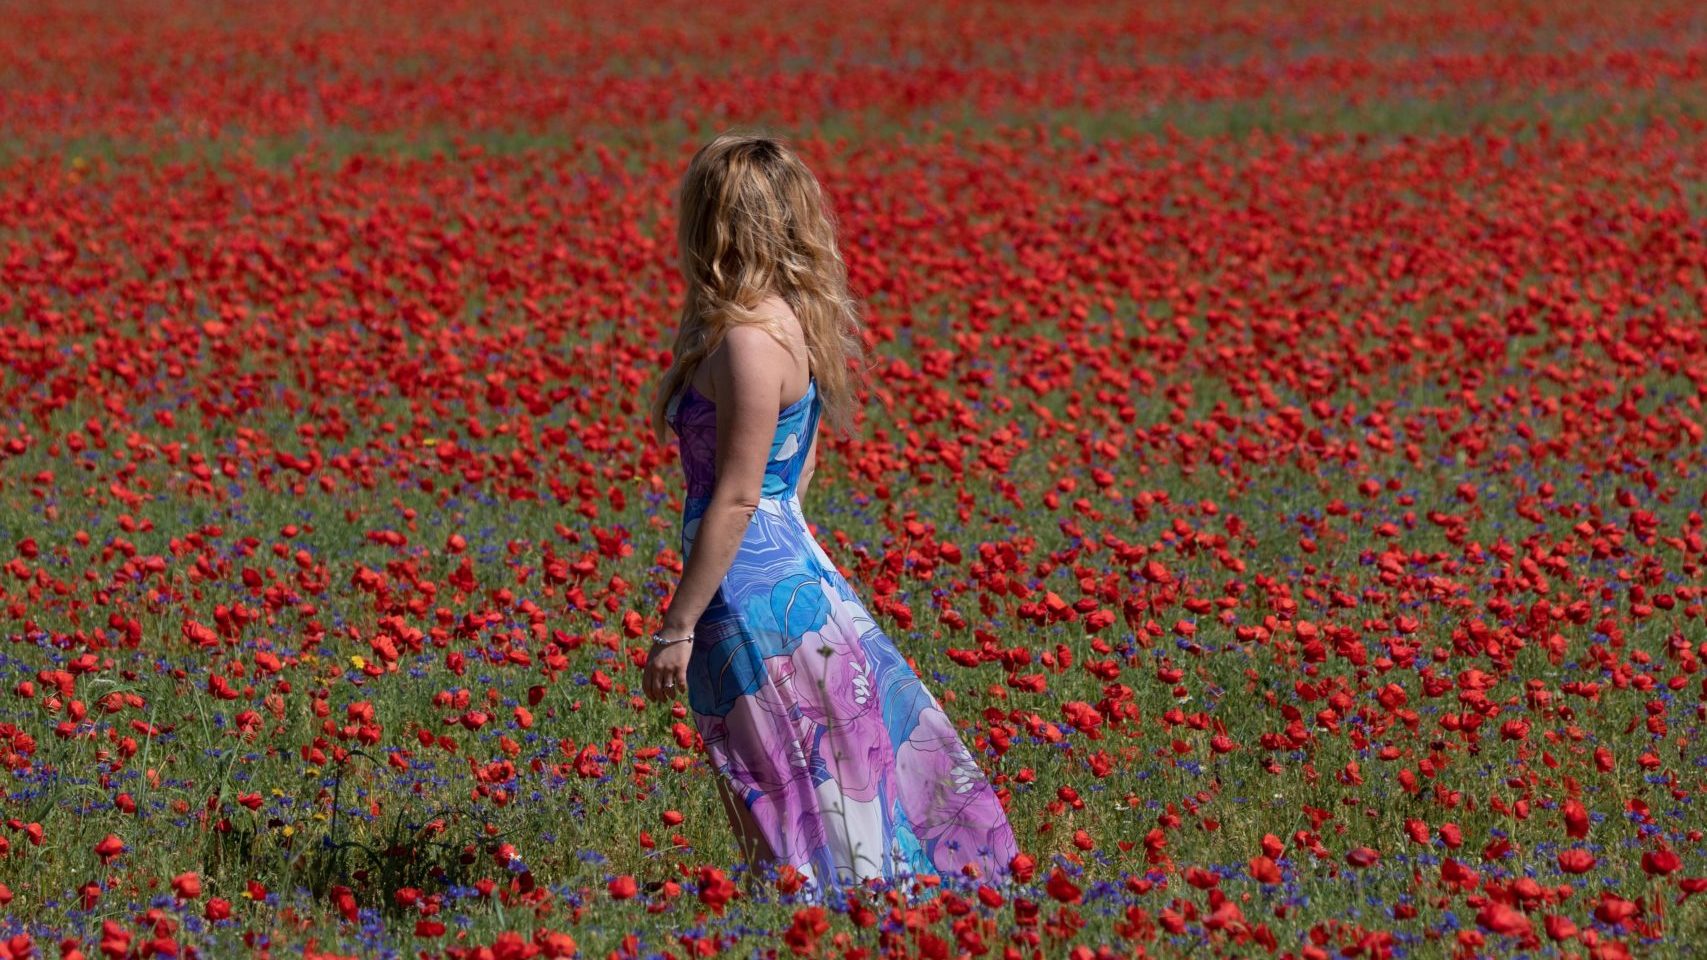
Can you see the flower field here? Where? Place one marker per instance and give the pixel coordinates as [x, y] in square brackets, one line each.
[1287, 462]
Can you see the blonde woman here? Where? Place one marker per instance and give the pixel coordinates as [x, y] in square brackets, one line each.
[831, 755]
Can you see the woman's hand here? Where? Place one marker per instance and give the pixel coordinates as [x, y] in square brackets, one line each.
[666, 674]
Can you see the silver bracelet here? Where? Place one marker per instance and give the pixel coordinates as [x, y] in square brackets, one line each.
[658, 639]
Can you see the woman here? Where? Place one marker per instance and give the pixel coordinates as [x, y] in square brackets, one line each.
[831, 755]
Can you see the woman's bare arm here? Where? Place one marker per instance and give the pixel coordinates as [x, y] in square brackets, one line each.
[746, 373]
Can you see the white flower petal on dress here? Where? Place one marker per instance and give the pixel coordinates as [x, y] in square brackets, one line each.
[854, 831]
[861, 683]
[967, 776]
[789, 447]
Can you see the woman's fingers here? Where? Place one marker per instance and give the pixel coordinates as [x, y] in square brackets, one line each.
[662, 683]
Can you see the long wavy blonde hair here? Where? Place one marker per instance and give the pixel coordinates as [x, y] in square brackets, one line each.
[754, 222]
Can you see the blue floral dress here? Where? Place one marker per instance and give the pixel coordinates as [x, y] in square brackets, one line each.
[845, 760]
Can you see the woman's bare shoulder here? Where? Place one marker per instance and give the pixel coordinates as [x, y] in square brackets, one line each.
[751, 339]
[748, 351]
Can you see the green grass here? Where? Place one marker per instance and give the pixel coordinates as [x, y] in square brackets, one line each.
[316, 827]
[1382, 120]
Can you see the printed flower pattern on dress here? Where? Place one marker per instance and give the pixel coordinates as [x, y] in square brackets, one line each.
[846, 761]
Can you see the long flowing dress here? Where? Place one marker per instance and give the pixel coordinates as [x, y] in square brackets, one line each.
[846, 762]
